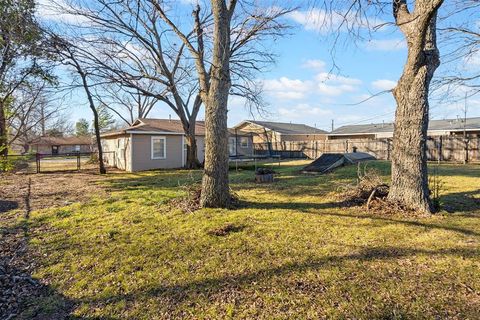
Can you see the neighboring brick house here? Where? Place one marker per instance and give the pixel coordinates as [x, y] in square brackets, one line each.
[62, 145]
[276, 132]
[445, 140]
[446, 127]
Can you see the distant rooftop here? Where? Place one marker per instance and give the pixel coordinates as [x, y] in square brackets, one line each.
[434, 125]
[63, 141]
[287, 128]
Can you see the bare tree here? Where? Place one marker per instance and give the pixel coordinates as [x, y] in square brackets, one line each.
[233, 32]
[418, 25]
[21, 57]
[134, 51]
[128, 104]
[33, 110]
[139, 49]
[409, 159]
[460, 43]
[77, 58]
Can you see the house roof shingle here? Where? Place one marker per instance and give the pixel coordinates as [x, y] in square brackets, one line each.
[434, 125]
[288, 128]
[148, 125]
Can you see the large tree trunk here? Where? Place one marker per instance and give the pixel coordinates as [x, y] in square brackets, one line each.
[409, 159]
[3, 132]
[215, 189]
[192, 157]
[101, 165]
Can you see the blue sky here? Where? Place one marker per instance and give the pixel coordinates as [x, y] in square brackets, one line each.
[303, 87]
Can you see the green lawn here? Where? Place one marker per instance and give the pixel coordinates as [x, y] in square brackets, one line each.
[294, 253]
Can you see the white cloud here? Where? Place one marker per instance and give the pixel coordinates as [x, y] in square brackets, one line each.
[317, 65]
[57, 11]
[312, 20]
[386, 45]
[321, 21]
[473, 59]
[303, 110]
[335, 85]
[337, 79]
[190, 2]
[323, 83]
[384, 84]
[323, 88]
[286, 88]
[330, 90]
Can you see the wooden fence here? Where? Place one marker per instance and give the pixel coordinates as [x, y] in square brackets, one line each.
[441, 148]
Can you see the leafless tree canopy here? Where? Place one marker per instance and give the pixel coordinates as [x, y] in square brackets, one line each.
[150, 50]
[459, 37]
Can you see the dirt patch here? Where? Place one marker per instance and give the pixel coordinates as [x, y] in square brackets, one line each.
[48, 190]
[19, 195]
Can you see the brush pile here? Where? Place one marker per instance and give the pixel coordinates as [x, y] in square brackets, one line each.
[368, 190]
[190, 201]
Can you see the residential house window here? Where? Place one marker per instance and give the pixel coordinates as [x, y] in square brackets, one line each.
[77, 148]
[159, 148]
[244, 142]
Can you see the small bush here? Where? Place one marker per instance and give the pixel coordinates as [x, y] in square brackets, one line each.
[6, 165]
[436, 188]
[13, 163]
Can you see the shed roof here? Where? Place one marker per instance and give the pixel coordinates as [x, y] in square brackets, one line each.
[285, 128]
[434, 125]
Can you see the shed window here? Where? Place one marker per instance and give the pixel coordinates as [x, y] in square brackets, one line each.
[244, 142]
[159, 150]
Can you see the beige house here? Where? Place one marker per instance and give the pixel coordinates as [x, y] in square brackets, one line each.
[62, 145]
[277, 132]
[160, 144]
[150, 144]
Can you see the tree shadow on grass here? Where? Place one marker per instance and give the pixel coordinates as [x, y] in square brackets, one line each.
[462, 203]
[314, 208]
[22, 296]
[160, 179]
[7, 205]
[210, 287]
